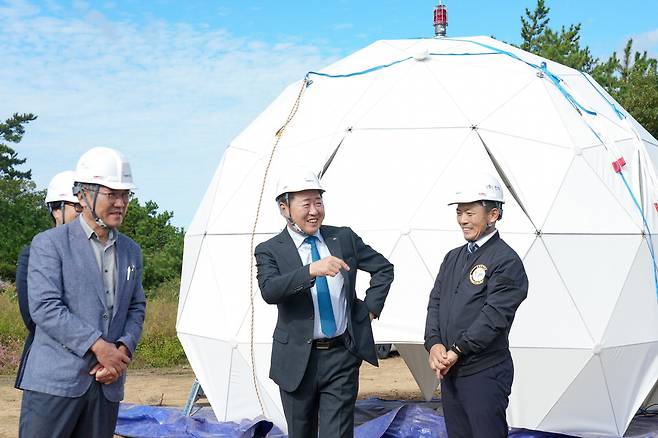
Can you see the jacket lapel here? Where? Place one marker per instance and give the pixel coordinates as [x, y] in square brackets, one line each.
[290, 256]
[81, 248]
[332, 242]
[288, 250]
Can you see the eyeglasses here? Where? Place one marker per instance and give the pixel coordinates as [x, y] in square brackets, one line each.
[113, 196]
[77, 207]
[58, 205]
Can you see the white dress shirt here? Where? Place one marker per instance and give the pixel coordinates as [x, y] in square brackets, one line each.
[483, 239]
[338, 301]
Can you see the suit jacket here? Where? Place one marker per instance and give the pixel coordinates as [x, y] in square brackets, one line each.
[67, 303]
[285, 282]
[473, 304]
[23, 306]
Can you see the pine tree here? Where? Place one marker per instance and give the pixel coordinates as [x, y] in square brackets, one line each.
[11, 131]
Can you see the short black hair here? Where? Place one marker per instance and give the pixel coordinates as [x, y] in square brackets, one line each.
[490, 205]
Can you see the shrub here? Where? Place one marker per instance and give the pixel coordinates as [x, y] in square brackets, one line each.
[159, 346]
[166, 291]
[12, 330]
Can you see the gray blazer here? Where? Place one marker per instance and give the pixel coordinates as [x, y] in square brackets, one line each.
[67, 303]
[285, 282]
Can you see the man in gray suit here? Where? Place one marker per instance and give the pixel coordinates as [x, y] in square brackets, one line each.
[323, 330]
[87, 301]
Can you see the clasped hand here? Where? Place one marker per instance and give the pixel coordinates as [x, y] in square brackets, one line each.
[441, 360]
[112, 361]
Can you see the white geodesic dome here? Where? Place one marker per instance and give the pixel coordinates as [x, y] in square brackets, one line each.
[392, 129]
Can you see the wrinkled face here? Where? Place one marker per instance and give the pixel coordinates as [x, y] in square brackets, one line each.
[71, 211]
[306, 210]
[111, 205]
[473, 219]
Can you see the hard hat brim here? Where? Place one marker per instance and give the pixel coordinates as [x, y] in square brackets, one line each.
[470, 200]
[60, 198]
[109, 184]
[120, 186]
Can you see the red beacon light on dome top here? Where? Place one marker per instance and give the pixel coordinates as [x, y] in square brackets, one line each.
[440, 19]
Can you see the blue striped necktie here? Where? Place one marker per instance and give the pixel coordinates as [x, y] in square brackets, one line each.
[327, 319]
[472, 247]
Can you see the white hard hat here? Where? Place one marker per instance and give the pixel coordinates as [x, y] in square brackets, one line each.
[60, 188]
[296, 181]
[104, 166]
[478, 187]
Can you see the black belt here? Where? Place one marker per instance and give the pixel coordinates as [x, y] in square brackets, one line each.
[327, 343]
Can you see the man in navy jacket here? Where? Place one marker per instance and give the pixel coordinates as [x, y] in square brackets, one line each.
[63, 207]
[471, 309]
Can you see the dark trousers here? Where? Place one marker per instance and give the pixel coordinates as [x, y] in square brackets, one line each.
[474, 406]
[90, 415]
[325, 397]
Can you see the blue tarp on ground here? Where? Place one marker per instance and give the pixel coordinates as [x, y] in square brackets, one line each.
[155, 422]
[374, 418]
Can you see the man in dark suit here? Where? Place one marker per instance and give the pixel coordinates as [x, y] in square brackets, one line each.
[471, 309]
[323, 330]
[63, 207]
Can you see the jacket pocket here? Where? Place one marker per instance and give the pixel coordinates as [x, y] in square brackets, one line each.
[280, 335]
[362, 345]
[360, 310]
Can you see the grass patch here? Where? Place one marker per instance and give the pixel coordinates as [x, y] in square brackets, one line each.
[12, 330]
[159, 346]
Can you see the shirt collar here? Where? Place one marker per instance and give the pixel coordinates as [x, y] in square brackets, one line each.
[298, 239]
[89, 232]
[484, 239]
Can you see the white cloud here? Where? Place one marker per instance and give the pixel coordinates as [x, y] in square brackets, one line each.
[18, 8]
[646, 41]
[170, 96]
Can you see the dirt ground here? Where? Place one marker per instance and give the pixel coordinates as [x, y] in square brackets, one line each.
[170, 387]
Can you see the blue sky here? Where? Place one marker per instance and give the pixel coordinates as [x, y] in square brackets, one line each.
[170, 83]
